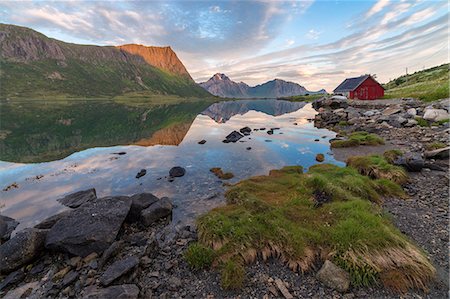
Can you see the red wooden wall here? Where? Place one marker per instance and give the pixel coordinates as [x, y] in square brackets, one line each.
[368, 90]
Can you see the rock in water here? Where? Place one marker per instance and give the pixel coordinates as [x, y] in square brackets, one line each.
[177, 171]
[125, 291]
[233, 137]
[138, 203]
[141, 173]
[21, 249]
[202, 141]
[7, 226]
[160, 209]
[245, 130]
[90, 228]
[76, 199]
[118, 269]
[334, 277]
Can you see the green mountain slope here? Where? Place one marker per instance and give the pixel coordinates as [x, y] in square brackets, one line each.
[33, 65]
[428, 85]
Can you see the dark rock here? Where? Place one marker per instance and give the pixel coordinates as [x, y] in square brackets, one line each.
[90, 228]
[160, 209]
[7, 226]
[50, 221]
[321, 197]
[120, 153]
[233, 137]
[141, 173]
[37, 269]
[125, 291]
[413, 162]
[12, 278]
[69, 278]
[112, 250]
[245, 130]
[202, 141]
[118, 269]
[21, 249]
[138, 203]
[334, 277]
[262, 129]
[270, 132]
[177, 171]
[248, 148]
[76, 199]
[174, 283]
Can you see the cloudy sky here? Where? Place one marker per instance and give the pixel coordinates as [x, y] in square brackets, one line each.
[313, 42]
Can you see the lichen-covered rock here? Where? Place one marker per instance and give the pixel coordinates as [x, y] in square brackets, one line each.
[90, 228]
[334, 277]
[21, 249]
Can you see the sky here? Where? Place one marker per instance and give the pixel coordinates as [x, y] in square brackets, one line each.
[315, 43]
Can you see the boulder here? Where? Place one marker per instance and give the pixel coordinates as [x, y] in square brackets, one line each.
[334, 277]
[233, 137]
[435, 114]
[391, 110]
[21, 249]
[413, 162]
[440, 153]
[76, 199]
[50, 221]
[124, 291]
[202, 141]
[117, 269]
[138, 203]
[177, 171]
[245, 130]
[90, 228]
[411, 123]
[7, 226]
[160, 209]
[411, 112]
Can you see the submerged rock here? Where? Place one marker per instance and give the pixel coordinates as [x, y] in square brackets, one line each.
[76, 199]
[334, 277]
[118, 269]
[202, 141]
[21, 249]
[177, 171]
[160, 209]
[245, 130]
[7, 226]
[90, 228]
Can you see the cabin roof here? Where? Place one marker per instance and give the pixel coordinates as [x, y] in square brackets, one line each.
[350, 84]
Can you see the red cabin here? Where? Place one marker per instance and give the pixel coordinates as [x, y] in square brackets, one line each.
[361, 88]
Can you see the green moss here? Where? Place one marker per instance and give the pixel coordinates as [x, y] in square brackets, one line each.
[358, 138]
[232, 275]
[422, 122]
[198, 256]
[378, 167]
[343, 123]
[436, 145]
[277, 216]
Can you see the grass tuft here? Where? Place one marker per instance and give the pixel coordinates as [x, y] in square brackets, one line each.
[199, 256]
[276, 216]
[436, 145]
[232, 275]
[377, 167]
[392, 155]
[218, 172]
[358, 138]
[422, 122]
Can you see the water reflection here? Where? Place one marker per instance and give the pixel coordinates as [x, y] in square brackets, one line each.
[197, 192]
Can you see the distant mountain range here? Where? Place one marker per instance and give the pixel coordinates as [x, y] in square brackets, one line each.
[33, 65]
[222, 86]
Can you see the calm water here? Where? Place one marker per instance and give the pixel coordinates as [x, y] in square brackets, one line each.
[40, 184]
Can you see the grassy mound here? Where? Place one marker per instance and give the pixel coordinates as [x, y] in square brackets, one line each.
[278, 216]
[358, 138]
[377, 167]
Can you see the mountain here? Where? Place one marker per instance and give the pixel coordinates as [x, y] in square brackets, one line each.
[221, 85]
[221, 112]
[34, 65]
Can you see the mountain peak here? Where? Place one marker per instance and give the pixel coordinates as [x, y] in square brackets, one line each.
[220, 76]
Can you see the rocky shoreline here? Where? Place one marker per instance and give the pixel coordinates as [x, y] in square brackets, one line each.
[126, 247]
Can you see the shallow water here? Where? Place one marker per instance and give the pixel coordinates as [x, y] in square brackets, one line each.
[195, 193]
